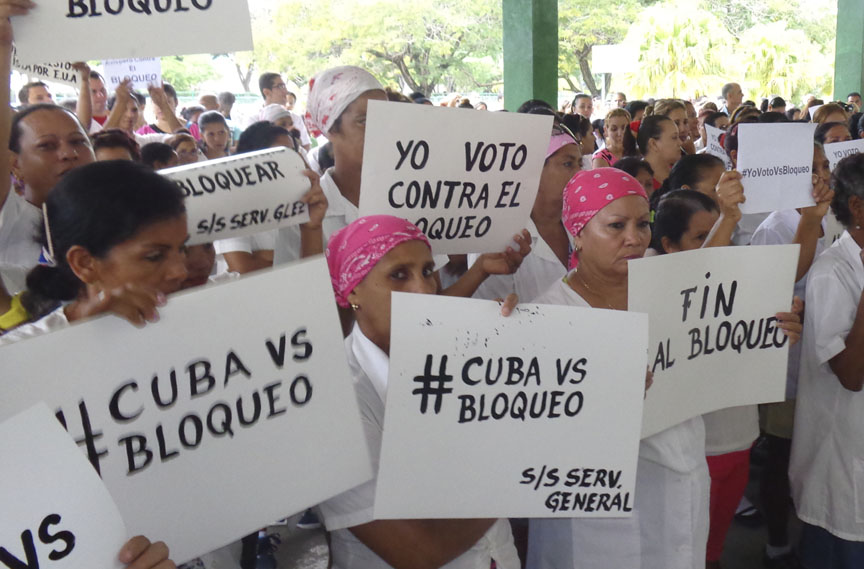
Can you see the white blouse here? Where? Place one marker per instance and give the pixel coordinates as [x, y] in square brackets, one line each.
[827, 465]
[369, 367]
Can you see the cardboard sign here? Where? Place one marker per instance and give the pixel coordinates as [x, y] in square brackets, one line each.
[57, 514]
[196, 423]
[142, 73]
[714, 338]
[776, 165]
[837, 151]
[244, 194]
[84, 30]
[468, 180]
[56, 72]
[534, 415]
[714, 147]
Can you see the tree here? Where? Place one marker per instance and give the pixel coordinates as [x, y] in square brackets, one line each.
[681, 51]
[582, 24]
[187, 72]
[420, 45]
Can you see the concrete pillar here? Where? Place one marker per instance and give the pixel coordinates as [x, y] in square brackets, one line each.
[530, 52]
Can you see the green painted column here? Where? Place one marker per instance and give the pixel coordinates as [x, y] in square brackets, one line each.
[849, 61]
[530, 52]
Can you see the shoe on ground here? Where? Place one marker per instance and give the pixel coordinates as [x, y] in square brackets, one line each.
[309, 520]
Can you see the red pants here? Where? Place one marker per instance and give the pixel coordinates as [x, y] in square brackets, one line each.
[729, 474]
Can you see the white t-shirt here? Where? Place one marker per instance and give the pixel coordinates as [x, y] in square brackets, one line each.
[538, 271]
[669, 523]
[20, 224]
[779, 228]
[369, 367]
[827, 465]
[264, 241]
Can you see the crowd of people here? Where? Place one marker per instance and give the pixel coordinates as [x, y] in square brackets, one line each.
[88, 227]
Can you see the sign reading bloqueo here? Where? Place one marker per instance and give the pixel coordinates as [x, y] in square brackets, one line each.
[715, 340]
[466, 178]
[533, 415]
[235, 390]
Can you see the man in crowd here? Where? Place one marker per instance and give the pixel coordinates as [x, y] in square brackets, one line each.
[854, 99]
[275, 91]
[733, 96]
[620, 100]
[583, 105]
[34, 93]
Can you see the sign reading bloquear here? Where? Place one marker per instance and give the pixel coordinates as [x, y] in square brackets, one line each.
[467, 179]
[715, 342]
[244, 194]
[184, 417]
[533, 415]
[57, 514]
[84, 30]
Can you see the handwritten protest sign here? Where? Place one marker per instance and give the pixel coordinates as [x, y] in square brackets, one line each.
[535, 415]
[142, 73]
[714, 338]
[776, 165]
[468, 180]
[244, 194]
[83, 30]
[837, 151]
[56, 71]
[57, 514]
[714, 147]
[189, 419]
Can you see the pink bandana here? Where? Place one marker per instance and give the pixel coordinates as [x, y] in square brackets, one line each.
[331, 91]
[590, 191]
[558, 141]
[353, 251]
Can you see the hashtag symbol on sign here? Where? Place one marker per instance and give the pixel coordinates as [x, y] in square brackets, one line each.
[432, 385]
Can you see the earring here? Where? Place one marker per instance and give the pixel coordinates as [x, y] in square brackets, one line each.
[355, 307]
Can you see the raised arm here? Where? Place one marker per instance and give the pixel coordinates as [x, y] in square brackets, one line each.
[160, 99]
[84, 110]
[122, 96]
[730, 193]
[810, 226]
[504, 263]
[7, 8]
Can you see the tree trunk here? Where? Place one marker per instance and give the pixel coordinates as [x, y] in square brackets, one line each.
[245, 77]
[587, 76]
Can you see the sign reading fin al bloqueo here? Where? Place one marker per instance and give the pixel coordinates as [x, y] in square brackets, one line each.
[533, 415]
[57, 514]
[715, 342]
[84, 30]
[244, 194]
[184, 417]
[467, 179]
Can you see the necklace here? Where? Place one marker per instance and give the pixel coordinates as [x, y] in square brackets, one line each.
[588, 288]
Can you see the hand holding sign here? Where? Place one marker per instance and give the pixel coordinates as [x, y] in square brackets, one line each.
[140, 72]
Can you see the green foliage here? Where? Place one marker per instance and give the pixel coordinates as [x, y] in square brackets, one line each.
[187, 72]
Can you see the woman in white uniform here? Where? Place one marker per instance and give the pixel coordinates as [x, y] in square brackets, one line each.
[827, 464]
[369, 259]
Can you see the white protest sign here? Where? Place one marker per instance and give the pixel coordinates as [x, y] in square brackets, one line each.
[714, 338]
[714, 147]
[244, 194]
[57, 514]
[84, 30]
[776, 165]
[55, 71]
[196, 423]
[142, 73]
[533, 415]
[468, 180]
[837, 151]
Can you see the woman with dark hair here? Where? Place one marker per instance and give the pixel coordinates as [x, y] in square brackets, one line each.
[827, 452]
[831, 132]
[660, 145]
[186, 147]
[636, 110]
[639, 169]
[215, 135]
[115, 144]
[700, 172]
[159, 156]
[264, 134]
[676, 110]
[682, 221]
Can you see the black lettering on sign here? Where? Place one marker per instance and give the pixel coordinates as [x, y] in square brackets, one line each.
[90, 8]
[419, 154]
[45, 536]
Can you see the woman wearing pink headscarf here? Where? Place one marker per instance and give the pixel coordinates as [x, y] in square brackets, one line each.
[368, 260]
[606, 212]
[550, 244]
[336, 106]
